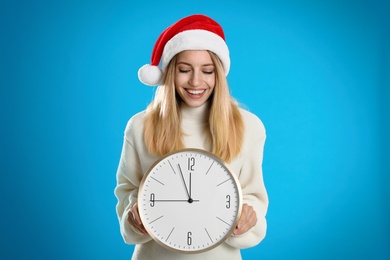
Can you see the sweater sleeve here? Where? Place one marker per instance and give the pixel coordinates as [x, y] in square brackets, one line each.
[254, 193]
[129, 176]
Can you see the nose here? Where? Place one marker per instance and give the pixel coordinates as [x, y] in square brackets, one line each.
[196, 79]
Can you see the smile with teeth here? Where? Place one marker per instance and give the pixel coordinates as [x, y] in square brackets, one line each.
[195, 91]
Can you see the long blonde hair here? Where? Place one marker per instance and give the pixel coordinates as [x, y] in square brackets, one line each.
[162, 129]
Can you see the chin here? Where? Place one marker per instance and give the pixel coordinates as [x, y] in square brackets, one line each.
[194, 104]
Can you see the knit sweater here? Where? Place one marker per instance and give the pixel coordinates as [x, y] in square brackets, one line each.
[135, 162]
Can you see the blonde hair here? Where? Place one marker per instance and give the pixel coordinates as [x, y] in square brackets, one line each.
[162, 129]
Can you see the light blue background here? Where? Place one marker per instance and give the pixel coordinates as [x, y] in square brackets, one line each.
[316, 73]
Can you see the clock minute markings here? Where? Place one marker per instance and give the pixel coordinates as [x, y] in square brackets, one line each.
[171, 167]
[209, 235]
[170, 233]
[156, 219]
[210, 168]
[223, 221]
[157, 180]
[223, 182]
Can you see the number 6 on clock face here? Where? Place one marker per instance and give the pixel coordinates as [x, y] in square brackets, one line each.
[190, 201]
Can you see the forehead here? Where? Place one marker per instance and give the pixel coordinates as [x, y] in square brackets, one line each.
[196, 57]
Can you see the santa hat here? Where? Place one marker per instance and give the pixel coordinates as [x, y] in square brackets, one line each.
[194, 32]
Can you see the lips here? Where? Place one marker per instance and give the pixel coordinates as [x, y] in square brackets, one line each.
[195, 97]
[195, 92]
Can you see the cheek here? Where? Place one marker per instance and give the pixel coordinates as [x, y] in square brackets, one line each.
[211, 82]
[179, 80]
[178, 87]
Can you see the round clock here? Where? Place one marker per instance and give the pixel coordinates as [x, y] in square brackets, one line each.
[190, 201]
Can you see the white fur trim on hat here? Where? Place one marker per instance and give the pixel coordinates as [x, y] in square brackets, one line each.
[196, 40]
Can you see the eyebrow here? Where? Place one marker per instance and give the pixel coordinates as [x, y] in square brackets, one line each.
[186, 63]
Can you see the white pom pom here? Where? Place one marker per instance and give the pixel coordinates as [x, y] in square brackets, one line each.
[150, 75]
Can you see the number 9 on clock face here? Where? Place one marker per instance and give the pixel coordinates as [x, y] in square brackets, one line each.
[190, 201]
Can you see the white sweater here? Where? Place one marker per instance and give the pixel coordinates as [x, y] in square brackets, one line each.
[135, 161]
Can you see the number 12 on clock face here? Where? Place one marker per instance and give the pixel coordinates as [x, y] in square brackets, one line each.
[190, 201]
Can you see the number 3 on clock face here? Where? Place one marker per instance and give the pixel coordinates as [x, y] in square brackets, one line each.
[190, 201]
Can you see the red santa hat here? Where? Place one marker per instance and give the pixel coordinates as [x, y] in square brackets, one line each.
[194, 32]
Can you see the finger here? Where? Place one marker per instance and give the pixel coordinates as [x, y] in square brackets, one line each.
[139, 227]
[136, 216]
[242, 228]
[135, 219]
[247, 220]
[142, 229]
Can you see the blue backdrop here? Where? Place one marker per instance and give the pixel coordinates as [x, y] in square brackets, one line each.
[316, 73]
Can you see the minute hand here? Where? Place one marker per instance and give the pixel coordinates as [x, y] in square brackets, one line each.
[182, 178]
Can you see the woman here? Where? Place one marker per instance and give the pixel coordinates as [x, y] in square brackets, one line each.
[192, 108]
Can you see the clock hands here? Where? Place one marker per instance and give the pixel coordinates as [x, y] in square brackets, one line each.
[190, 187]
[185, 185]
[190, 200]
[174, 200]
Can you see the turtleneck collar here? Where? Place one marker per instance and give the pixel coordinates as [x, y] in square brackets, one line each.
[194, 115]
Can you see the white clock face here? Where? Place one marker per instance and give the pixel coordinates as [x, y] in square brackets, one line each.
[189, 201]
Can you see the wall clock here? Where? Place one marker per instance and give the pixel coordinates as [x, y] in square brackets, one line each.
[190, 201]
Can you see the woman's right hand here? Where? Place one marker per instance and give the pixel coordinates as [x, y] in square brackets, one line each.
[135, 220]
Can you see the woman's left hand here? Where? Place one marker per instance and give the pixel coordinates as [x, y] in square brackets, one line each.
[247, 220]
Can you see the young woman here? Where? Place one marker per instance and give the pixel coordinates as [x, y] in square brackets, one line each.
[192, 108]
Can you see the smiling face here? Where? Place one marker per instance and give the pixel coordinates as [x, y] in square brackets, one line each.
[194, 77]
